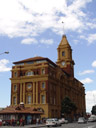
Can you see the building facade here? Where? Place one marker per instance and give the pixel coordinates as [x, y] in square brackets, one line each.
[40, 83]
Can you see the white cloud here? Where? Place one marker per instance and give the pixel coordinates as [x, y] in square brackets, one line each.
[29, 41]
[90, 38]
[3, 65]
[44, 41]
[94, 64]
[90, 100]
[75, 41]
[21, 18]
[87, 81]
[34, 41]
[86, 72]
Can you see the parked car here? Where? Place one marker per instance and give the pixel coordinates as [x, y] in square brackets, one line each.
[82, 120]
[52, 122]
[63, 121]
[92, 118]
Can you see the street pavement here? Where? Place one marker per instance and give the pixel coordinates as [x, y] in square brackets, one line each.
[25, 126]
[69, 125]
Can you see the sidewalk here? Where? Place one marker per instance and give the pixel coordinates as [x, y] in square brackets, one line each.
[25, 126]
[35, 125]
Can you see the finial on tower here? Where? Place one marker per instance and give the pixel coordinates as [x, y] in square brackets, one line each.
[63, 28]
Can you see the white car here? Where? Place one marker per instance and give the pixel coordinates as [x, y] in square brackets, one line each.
[92, 118]
[63, 121]
[52, 122]
[82, 120]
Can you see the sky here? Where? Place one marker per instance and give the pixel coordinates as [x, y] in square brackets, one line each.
[30, 28]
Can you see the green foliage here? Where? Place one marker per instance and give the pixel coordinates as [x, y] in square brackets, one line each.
[67, 106]
[94, 110]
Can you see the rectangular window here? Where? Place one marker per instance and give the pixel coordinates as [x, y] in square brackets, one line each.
[43, 85]
[14, 100]
[43, 71]
[29, 99]
[15, 87]
[43, 99]
[15, 74]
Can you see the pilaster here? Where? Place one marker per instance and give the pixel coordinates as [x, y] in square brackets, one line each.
[36, 92]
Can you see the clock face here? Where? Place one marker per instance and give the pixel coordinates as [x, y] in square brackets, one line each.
[63, 63]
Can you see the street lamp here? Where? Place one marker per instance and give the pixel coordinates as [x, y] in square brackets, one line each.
[4, 53]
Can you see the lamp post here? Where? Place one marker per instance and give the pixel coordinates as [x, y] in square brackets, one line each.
[4, 53]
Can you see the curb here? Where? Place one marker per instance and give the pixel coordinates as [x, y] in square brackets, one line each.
[37, 126]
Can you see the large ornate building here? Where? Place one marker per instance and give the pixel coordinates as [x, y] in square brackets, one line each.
[40, 83]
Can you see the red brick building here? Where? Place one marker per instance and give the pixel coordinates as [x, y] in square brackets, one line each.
[40, 83]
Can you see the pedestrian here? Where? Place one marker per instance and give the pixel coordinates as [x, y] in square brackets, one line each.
[17, 122]
[21, 122]
[37, 121]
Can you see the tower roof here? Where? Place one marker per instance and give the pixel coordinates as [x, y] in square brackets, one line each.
[64, 41]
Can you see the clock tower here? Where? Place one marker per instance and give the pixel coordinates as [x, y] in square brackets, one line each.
[65, 56]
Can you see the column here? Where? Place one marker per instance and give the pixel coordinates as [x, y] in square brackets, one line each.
[58, 54]
[36, 92]
[24, 93]
[20, 92]
[33, 92]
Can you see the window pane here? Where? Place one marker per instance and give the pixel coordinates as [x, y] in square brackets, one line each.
[29, 99]
[63, 53]
[29, 86]
[43, 71]
[14, 100]
[43, 99]
[30, 73]
[15, 74]
[15, 87]
[43, 85]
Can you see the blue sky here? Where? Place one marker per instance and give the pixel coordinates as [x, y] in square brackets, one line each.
[30, 28]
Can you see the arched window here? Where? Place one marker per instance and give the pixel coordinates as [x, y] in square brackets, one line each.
[63, 53]
[29, 86]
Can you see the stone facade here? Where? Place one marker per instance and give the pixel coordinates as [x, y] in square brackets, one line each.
[40, 83]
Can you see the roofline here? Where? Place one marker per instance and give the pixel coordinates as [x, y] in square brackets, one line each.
[22, 61]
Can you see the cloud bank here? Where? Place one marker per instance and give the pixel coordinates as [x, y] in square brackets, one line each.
[86, 81]
[3, 65]
[86, 72]
[90, 100]
[29, 18]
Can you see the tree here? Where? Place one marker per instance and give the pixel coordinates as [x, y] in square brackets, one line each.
[94, 110]
[67, 106]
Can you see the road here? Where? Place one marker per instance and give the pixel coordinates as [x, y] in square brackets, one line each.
[76, 125]
[69, 125]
